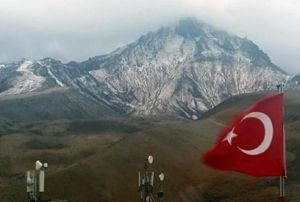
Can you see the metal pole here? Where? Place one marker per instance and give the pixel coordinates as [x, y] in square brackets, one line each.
[160, 193]
[146, 182]
[282, 178]
[35, 187]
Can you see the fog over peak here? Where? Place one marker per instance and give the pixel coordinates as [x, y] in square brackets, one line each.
[77, 29]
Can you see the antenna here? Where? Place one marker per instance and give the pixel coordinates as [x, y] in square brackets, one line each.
[30, 181]
[161, 177]
[42, 181]
[152, 179]
[35, 181]
[38, 165]
[150, 159]
[280, 87]
[146, 183]
[160, 193]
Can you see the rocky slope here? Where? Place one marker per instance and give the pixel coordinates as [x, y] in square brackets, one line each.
[294, 82]
[184, 69]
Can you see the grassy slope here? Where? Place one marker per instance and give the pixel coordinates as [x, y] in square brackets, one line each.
[52, 104]
[99, 160]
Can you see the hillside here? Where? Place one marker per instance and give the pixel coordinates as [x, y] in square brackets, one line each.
[99, 160]
[52, 104]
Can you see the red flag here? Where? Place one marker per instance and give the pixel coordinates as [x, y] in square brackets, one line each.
[282, 199]
[254, 142]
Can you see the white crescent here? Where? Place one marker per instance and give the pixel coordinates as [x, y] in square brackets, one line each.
[268, 137]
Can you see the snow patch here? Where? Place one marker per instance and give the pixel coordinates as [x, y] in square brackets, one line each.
[25, 66]
[54, 77]
[194, 117]
[140, 69]
[26, 82]
[100, 74]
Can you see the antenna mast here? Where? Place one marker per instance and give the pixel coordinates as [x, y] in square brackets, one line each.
[146, 183]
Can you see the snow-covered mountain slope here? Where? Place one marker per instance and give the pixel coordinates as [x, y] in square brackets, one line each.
[25, 76]
[184, 69]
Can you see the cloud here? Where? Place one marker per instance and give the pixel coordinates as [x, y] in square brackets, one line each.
[77, 29]
[272, 24]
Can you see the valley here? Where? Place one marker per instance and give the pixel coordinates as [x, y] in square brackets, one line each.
[98, 160]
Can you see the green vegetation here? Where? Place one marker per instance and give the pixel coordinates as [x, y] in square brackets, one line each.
[213, 197]
[45, 143]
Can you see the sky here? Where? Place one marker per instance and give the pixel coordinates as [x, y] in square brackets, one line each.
[78, 29]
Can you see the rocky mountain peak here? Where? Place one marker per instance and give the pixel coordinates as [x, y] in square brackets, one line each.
[184, 69]
[190, 28]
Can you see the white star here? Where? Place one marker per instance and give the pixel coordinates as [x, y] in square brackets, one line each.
[229, 136]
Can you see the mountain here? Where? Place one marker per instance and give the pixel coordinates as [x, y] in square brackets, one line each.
[182, 70]
[294, 82]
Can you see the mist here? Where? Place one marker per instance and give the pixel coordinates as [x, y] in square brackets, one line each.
[76, 29]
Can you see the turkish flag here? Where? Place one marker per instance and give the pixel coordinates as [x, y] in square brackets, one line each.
[254, 142]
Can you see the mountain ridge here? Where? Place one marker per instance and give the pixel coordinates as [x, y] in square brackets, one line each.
[184, 69]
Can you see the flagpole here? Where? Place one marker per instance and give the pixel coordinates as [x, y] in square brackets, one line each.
[282, 178]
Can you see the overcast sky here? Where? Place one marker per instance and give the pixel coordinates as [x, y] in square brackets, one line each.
[78, 29]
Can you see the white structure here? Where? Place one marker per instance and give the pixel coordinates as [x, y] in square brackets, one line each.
[36, 181]
[146, 183]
